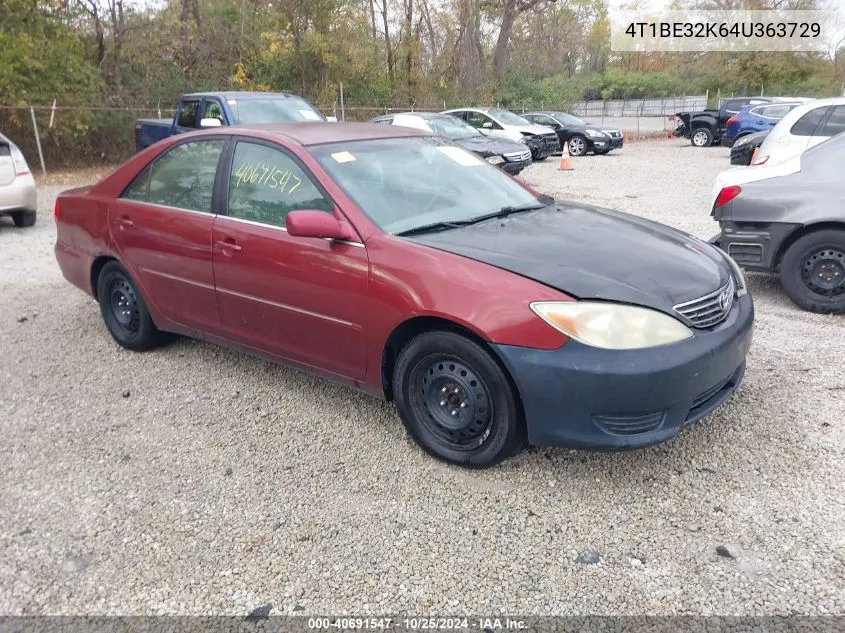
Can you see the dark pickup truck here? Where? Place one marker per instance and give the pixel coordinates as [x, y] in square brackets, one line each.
[706, 128]
[204, 110]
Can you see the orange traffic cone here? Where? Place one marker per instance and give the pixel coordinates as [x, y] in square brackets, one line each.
[565, 163]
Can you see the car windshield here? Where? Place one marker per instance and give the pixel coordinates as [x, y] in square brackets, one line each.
[568, 119]
[452, 127]
[407, 183]
[273, 110]
[507, 117]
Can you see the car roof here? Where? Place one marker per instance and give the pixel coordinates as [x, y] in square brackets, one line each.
[240, 95]
[321, 132]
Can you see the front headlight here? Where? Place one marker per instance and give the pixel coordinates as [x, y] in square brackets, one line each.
[495, 160]
[611, 325]
[594, 134]
[741, 288]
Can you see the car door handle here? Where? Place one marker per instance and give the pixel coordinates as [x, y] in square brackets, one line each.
[125, 222]
[230, 245]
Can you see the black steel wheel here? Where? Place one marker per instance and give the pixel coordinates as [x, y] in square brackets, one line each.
[124, 311]
[456, 401]
[812, 271]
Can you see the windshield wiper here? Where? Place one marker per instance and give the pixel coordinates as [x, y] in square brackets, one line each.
[510, 210]
[543, 201]
[434, 226]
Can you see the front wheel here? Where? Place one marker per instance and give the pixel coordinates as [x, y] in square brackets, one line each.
[124, 311]
[812, 271]
[456, 401]
[702, 137]
[577, 146]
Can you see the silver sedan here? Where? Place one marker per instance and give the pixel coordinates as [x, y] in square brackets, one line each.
[17, 186]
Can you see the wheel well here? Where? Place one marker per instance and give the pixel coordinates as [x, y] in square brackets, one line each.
[96, 267]
[417, 325]
[801, 232]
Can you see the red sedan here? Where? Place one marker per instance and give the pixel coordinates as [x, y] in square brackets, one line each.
[397, 262]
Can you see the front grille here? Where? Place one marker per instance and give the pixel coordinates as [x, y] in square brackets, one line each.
[551, 141]
[710, 309]
[518, 157]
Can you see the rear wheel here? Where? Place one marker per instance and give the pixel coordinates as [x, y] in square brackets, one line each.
[23, 219]
[455, 400]
[702, 137]
[812, 271]
[124, 311]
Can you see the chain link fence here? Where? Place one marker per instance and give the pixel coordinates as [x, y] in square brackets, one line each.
[56, 138]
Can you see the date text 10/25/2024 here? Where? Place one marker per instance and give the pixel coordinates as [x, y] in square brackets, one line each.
[418, 624]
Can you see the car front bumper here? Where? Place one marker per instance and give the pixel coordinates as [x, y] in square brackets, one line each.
[19, 195]
[516, 166]
[584, 397]
[603, 145]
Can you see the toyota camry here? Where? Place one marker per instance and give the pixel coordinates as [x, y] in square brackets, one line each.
[399, 263]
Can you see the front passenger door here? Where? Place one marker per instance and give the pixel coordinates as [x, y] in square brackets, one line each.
[301, 299]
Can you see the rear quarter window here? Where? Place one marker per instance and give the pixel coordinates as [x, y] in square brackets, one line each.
[809, 122]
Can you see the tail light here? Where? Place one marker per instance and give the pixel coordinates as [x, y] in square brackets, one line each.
[19, 162]
[732, 120]
[56, 210]
[726, 195]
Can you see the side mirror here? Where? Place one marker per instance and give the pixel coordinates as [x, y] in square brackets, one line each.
[487, 125]
[331, 119]
[210, 123]
[315, 223]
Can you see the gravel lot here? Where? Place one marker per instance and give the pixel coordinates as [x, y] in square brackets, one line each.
[195, 480]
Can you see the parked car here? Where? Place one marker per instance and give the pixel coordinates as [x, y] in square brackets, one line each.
[579, 136]
[18, 196]
[510, 156]
[214, 109]
[791, 222]
[504, 124]
[393, 260]
[706, 128]
[802, 128]
[755, 118]
[743, 150]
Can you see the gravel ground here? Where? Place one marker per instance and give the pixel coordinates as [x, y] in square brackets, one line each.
[195, 480]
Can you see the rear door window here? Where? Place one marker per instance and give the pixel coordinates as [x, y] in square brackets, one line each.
[836, 123]
[808, 124]
[188, 114]
[266, 184]
[183, 177]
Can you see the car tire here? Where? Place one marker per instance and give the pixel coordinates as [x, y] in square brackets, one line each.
[577, 145]
[123, 309]
[23, 219]
[812, 271]
[701, 137]
[455, 400]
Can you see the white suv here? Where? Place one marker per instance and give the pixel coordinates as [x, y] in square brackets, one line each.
[802, 128]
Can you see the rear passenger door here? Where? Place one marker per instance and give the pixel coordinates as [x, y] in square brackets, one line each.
[161, 228]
